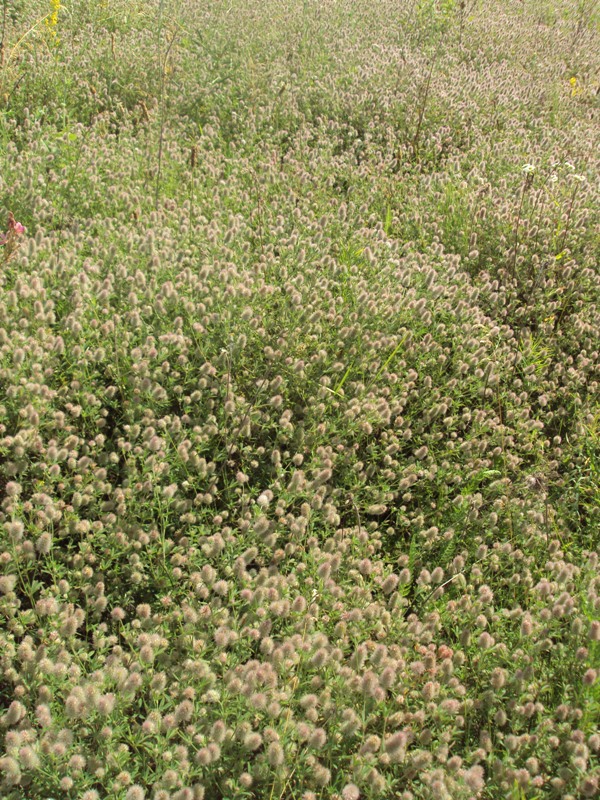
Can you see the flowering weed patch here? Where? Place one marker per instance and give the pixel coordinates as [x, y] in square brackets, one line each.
[299, 420]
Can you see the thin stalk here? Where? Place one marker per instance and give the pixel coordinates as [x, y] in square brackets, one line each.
[505, 465]
[355, 507]
[294, 683]
[2, 36]
[35, 25]
[463, 14]
[464, 11]
[161, 120]
[193, 161]
[450, 580]
[259, 204]
[423, 106]
[246, 416]
[161, 97]
[568, 220]
[526, 185]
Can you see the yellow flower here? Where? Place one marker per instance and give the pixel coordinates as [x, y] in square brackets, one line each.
[52, 18]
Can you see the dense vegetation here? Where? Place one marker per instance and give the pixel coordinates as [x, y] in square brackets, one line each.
[299, 399]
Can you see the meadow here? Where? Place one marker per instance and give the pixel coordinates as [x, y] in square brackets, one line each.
[299, 399]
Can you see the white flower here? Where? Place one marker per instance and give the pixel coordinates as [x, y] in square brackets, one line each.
[528, 168]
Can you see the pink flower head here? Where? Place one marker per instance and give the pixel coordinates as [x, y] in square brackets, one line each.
[15, 226]
[15, 229]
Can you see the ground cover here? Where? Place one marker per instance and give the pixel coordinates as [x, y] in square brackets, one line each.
[299, 400]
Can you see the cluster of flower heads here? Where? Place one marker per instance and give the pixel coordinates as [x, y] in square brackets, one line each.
[298, 479]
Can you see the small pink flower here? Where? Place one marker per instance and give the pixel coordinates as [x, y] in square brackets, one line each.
[14, 229]
[13, 225]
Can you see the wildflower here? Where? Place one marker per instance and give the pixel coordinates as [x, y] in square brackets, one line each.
[318, 739]
[43, 715]
[218, 731]
[474, 778]
[309, 701]
[275, 754]
[29, 758]
[7, 583]
[215, 751]
[184, 711]
[389, 584]
[170, 778]
[11, 770]
[594, 742]
[589, 786]
[44, 543]
[450, 706]
[15, 529]
[299, 604]
[321, 775]
[404, 576]
[184, 794]
[589, 677]
[252, 741]
[303, 731]
[15, 229]
[258, 700]
[106, 704]
[350, 723]
[430, 690]
[437, 576]
[526, 626]
[15, 713]
[320, 658]
[135, 792]
[203, 756]
[146, 654]
[395, 745]
[371, 744]
[52, 18]
[387, 678]
[498, 678]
